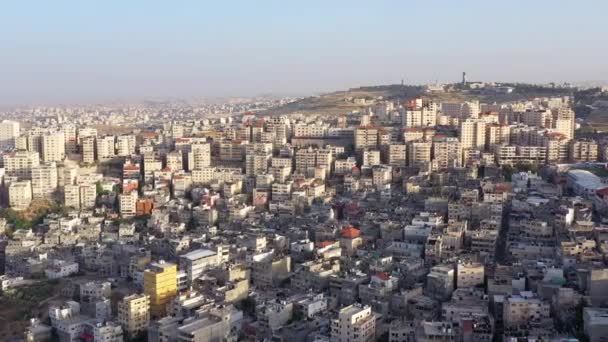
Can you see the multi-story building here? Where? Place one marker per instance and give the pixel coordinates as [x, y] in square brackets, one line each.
[381, 175]
[315, 130]
[419, 153]
[105, 147]
[87, 148]
[53, 147]
[125, 145]
[44, 180]
[355, 323]
[9, 131]
[88, 195]
[71, 196]
[473, 134]
[174, 161]
[371, 158]
[200, 156]
[469, 275]
[564, 122]
[583, 151]
[128, 204]
[310, 158]
[397, 155]
[557, 146]
[366, 137]
[419, 113]
[160, 284]
[134, 314]
[20, 163]
[446, 152]
[523, 309]
[20, 194]
[497, 134]
[595, 321]
[256, 163]
[197, 262]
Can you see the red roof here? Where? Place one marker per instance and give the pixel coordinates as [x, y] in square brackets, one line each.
[324, 244]
[382, 276]
[602, 192]
[131, 167]
[350, 232]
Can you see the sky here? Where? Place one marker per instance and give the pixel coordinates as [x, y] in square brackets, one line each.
[93, 51]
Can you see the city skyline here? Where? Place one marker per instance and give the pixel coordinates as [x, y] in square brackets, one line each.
[71, 52]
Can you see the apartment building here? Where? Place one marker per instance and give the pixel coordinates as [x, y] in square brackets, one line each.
[20, 194]
[200, 156]
[366, 137]
[134, 314]
[87, 149]
[20, 163]
[355, 323]
[473, 134]
[196, 262]
[160, 284]
[53, 147]
[106, 147]
[44, 180]
[583, 150]
[419, 153]
[9, 131]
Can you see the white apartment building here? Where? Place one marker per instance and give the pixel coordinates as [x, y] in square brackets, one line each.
[71, 196]
[53, 147]
[473, 134]
[315, 130]
[366, 137]
[134, 314]
[382, 175]
[345, 166]
[125, 145]
[128, 204]
[87, 148]
[9, 131]
[20, 163]
[105, 147]
[355, 323]
[199, 157]
[419, 152]
[397, 155]
[20, 194]
[44, 180]
[371, 157]
[196, 262]
[446, 153]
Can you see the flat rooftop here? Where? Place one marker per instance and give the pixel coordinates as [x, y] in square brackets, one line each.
[198, 253]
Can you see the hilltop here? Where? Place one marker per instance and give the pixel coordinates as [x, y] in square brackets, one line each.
[346, 101]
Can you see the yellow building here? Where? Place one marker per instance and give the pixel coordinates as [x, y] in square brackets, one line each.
[160, 283]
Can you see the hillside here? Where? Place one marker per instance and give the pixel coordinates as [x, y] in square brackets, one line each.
[342, 102]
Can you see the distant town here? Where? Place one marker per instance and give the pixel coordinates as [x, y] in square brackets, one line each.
[471, 211]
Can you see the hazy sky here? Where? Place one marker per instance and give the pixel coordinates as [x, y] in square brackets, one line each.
[68, 51]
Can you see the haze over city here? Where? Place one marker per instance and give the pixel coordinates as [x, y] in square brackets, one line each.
[313, 171]
[71, 51]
